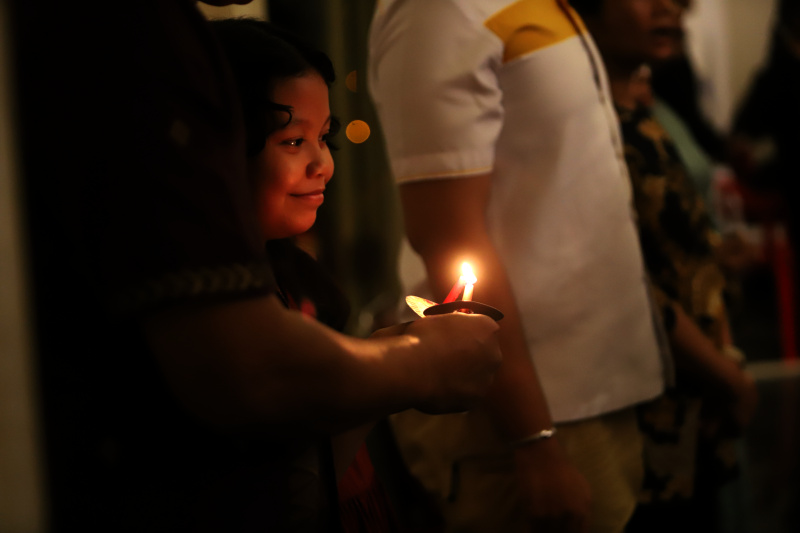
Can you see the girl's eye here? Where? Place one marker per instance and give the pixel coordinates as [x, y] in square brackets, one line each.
[294, 142]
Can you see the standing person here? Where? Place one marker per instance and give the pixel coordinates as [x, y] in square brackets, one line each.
[284, 86]
[179, 392]
[503, 141]
[688, 445]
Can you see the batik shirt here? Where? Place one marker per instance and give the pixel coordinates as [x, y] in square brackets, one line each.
[678, 242]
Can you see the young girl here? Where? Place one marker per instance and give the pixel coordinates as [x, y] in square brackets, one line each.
[283, 85]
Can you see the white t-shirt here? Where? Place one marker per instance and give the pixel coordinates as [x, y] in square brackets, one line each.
[517, 88]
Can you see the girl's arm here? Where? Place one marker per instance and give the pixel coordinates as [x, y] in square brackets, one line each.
[253, 363]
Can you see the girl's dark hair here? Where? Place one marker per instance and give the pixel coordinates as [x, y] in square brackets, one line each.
[260, 55]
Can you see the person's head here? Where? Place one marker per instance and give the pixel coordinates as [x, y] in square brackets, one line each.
[632, 32]
[283, 85]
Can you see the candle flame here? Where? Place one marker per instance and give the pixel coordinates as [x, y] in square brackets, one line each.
[468, 279]
[467, 274]
[465, 282]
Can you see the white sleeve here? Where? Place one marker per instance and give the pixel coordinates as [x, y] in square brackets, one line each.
[433, 77]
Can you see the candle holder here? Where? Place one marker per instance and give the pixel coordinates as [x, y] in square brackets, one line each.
[424, 307]
[469, 307]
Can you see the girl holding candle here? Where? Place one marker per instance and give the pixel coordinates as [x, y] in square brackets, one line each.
[196, 399]
[284, 90]
[283, 86]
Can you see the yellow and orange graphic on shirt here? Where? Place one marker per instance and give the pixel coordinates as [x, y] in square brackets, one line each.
[529, 25]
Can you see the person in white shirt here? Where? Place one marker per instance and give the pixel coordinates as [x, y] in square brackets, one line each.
[504, 143]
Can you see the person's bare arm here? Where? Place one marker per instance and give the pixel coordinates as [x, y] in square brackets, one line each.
[727, 383]
[253, 363]
[445, 223]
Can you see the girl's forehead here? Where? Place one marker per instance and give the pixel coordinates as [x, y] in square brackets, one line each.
[308, 91]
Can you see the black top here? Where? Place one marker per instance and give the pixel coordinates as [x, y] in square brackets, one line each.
[132, 152]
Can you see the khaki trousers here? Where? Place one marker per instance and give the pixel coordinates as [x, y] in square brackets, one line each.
[477, 490]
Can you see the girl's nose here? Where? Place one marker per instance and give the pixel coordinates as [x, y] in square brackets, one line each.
[321, 163]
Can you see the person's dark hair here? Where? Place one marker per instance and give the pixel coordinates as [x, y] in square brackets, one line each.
[262, 54]
[587, 8]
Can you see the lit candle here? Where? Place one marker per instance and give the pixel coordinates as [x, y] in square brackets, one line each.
[469, 281]
[465, 282]
[455, 291]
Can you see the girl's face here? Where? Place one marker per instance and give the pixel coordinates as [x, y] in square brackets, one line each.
[296, 163]
[630, 32]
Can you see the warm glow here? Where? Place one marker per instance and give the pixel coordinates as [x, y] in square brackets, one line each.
[465, 282]
[468, 274]
[469, 279]
[351, 81]
[357, 131]
[467, 292]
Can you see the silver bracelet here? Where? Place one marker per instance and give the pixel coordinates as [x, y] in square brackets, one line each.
[539, 435]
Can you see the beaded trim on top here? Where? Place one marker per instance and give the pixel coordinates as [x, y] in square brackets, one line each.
[191, 283]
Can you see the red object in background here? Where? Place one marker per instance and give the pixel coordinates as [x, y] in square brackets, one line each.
[778, 252]
[737, 205]
[364, 504]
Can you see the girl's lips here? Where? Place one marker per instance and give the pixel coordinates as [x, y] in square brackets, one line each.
[314, 197]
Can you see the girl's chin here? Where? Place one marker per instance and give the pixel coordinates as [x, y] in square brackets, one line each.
[299, 229]
[284, 229]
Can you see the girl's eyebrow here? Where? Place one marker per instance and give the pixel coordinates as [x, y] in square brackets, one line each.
[296, 120]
